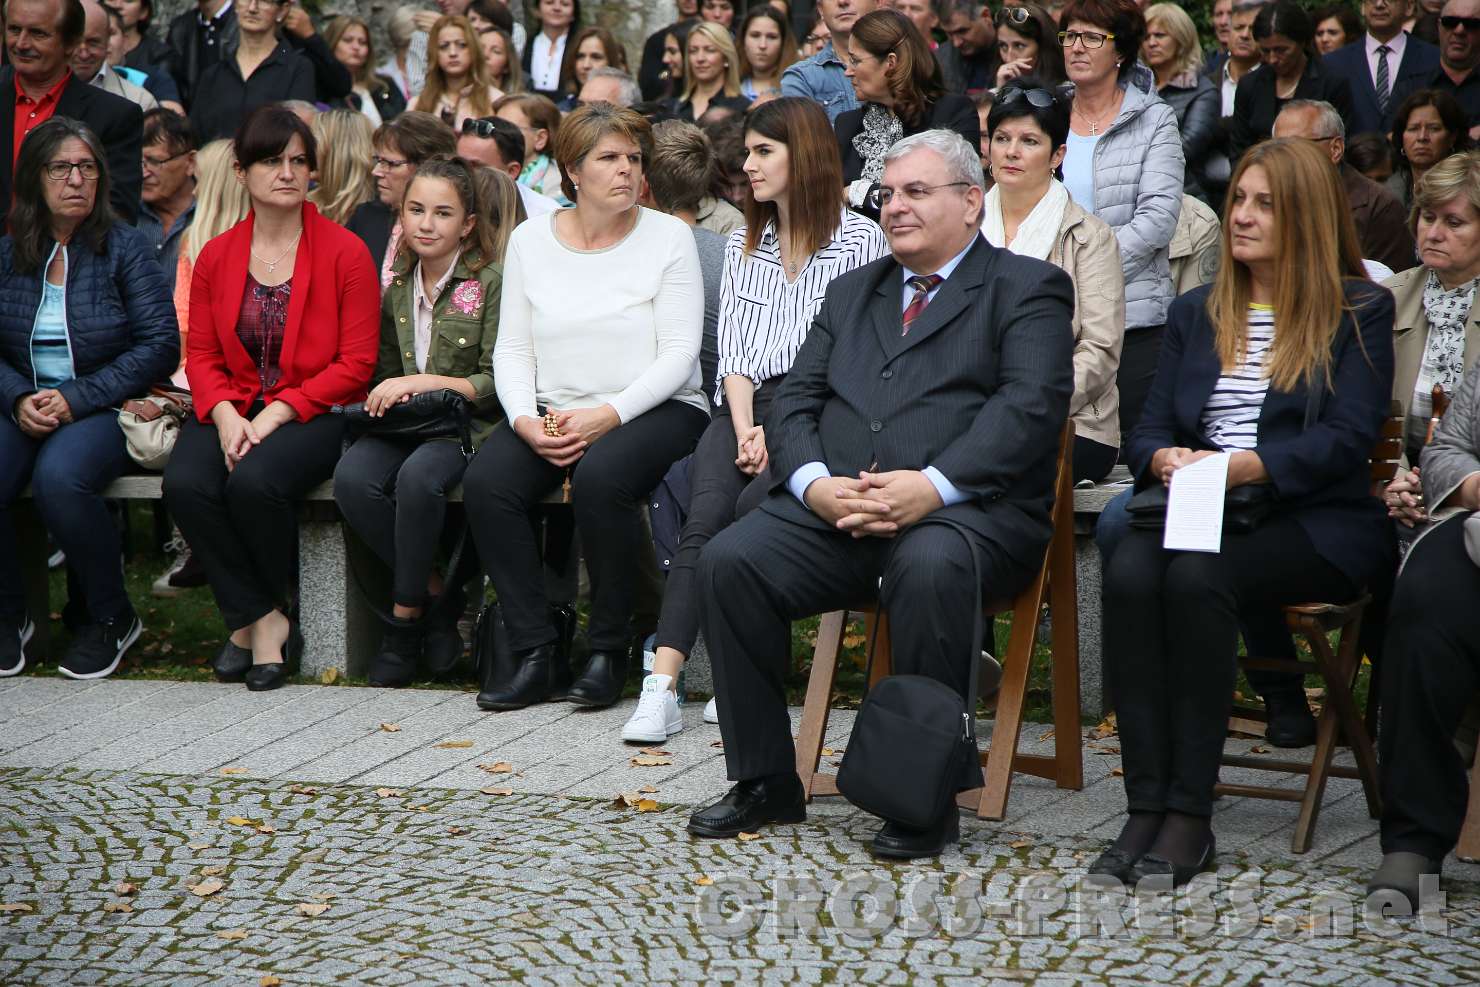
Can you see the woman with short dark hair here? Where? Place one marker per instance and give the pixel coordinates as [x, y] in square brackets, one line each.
[85, 323]
[284, 321]
[1028, 44]
[1429, 126]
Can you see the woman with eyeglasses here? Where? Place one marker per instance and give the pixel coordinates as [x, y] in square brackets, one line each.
[85, 324]
[400, 148]
[1029, 212]
[284, 321]
[1124, 164]
[1172, 52]
[1027, 44]
[898, 84]
[262, 69]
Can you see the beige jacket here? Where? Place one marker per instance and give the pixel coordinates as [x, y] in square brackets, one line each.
[1087, 252]
[1411, 336]
[1196, 246]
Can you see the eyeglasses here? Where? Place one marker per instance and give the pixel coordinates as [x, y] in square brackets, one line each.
[61, 171]
[1017, 15]
[1471, 24]
[154, 164]
[1091, 39]
[1040, 98]
[883, 195]
[377, 161]
[478, 127]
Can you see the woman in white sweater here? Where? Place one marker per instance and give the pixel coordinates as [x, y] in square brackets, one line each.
[597, 367]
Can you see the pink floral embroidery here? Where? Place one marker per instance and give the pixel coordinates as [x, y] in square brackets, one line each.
[467, 297]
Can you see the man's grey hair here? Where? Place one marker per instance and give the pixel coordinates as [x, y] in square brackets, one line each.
[1328, 121]
[950, 8]
[1240, 5]
[300, 107]
[963, 162]
[628, 91]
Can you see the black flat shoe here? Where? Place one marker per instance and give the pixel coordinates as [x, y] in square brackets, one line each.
[1403, 872]
[274, 675]
[532, 682]
[394, 665]
[1289, 722]
[896, 842]
[1114, 863]
[564, 618]
[600, 685]
[1155, 865]
[231, 662]
[750, 805]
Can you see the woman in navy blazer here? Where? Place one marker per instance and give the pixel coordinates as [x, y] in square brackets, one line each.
[1290, 309]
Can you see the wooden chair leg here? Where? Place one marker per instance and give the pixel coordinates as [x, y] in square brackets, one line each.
[818, 703]
[1008, 725]
[1064, 651]
[877, 632]
[1469, 837]
[1346, 666]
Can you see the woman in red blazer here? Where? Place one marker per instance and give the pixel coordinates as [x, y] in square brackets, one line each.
[284, 324]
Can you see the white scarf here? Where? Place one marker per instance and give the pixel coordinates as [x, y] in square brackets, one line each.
[1036, 234]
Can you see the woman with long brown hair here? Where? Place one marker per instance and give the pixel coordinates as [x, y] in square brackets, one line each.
[591, 48]
[1284, 363]
[796, 240]
[457, 84]
[377, 96]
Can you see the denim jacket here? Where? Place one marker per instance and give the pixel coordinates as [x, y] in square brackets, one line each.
[821, 78]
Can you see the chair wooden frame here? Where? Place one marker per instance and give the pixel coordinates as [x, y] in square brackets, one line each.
[1054, 584]
[1340, 719]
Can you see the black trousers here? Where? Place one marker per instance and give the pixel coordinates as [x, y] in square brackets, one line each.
[1138, 355]
[394, 494]
[1171, 636]
[505, 483]
[1093, 460]
[763, 572]
[241, 523]
[715, 486]
[1430, 674]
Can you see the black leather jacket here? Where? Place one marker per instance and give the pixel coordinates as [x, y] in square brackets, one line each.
[1198, 108]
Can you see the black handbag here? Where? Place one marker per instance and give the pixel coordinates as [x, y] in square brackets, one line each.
[913, 737]
[442, 414]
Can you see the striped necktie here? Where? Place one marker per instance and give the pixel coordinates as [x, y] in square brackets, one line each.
[1383, 86]
[923, 285]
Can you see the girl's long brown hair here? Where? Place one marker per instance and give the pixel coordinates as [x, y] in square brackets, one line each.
[915, 80]
[1319, 250]
[814, 178]
[480, 246]
[436, 83]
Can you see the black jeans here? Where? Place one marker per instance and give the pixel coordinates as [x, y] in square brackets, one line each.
[715, 486]
[505, 483]
[67, 471]
[1138, 355]
[1171, 636]
[1093, 460]
[241, 523]
[394, 494]
[1430, 674]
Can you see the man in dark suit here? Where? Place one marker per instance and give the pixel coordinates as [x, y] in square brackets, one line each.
[1386, 56]
[40, 37]
[932, 387]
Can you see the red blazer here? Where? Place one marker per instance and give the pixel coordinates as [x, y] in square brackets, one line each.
[329, 342]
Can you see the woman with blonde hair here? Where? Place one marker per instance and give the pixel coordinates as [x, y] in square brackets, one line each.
[711, 75]
[377, 96]
[457, 84]
[400, 28]
[500, 208]
[1284, 366]
[1172, 52]
[220, 203]
[344, 167]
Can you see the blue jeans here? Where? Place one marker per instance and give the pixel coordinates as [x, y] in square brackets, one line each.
[1114, 524]
[68, 471]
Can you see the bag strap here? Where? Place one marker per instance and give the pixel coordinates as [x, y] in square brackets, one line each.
[979, 627]
[450, 583]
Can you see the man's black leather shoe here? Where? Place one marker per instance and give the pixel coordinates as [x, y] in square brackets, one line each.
[601, 683]
[532, 682]
[896, 842]
[1289, 720]
[752, 804]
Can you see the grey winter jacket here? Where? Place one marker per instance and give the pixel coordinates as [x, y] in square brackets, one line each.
[1139, 171]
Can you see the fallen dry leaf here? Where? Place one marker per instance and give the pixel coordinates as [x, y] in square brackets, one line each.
[647, 805]
[117, 906]
[200, 846]
[123, 889]
[302, 790]
[1258, 750]
[497, 790]
[450, 745]
[388, 793]
[718, 743]
[1020, 844]
[330, 676]
[391, 727]
[703, 881]
[232, 934]
[1105, 728]
[266, 828]
[650, 761]
[497, 768]
[233, 771]
[419, 808]
[827, 752]
[656, 752]
[648, 790]
[239, 821]
[1047, 735]
[15, 906]
[747, 837]
[322, 896]
[205, 888]
[270, 980]
[212, 871]
[312, 908]
[1117, 772]
[456, 830]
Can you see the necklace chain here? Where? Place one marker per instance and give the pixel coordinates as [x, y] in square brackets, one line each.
[271, 265]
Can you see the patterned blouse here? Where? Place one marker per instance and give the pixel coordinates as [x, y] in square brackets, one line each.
[260, 327]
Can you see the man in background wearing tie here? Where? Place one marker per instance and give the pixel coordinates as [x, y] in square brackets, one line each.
[933, 385]
[1383, 67]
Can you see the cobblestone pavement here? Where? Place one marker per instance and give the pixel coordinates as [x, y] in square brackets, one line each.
[349, 853]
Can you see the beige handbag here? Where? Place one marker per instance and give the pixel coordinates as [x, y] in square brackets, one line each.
[151, 425]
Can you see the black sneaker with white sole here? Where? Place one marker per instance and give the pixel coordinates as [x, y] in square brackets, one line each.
[13, 641]
[97, 649]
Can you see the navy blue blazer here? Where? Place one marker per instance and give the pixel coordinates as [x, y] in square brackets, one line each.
[1320, 474]
[1416, 71]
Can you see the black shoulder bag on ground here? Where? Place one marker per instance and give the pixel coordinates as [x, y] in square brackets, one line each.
[442, 414]
[913, 735]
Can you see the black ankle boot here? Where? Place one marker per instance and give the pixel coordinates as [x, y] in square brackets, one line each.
[601, 683]
[443, 647]
[400, 648]
[533, 681]
[564, 618]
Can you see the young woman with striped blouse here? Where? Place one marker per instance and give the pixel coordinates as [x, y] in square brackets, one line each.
[777, 269]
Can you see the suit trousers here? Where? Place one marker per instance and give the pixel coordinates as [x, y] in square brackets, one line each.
[507, 480]
[764, 571]
[242, 523]
[1430, 675]
[1138, 356]
[1171, 638]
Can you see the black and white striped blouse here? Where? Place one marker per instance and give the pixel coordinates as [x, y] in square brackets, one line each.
[1230, 419]
[763, 319]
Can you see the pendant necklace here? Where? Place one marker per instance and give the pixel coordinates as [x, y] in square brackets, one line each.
[272, 265]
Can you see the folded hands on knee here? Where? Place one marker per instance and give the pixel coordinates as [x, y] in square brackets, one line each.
[875, 504]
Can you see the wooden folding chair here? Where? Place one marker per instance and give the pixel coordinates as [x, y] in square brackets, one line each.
[1054, 583]
[1314, 622]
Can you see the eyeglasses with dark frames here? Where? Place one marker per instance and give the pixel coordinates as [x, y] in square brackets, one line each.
[60, 171]
[1470, 24]
[1091, 39]
[155, 164]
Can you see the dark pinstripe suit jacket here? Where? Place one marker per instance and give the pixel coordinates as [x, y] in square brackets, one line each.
[979, 389]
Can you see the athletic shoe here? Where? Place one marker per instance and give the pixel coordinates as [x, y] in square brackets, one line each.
[711, 711]
[13, 648]
[184, 572]
[657, 717]
[97, 649]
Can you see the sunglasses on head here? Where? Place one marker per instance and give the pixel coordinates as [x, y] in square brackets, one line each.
[1015, 15]
[483, 129]
[1449, 23]
[1040, 98]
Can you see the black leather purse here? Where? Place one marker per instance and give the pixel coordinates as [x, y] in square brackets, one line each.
[913, 737]
[443, 414]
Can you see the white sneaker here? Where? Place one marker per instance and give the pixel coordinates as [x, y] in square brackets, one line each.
[657, 716]
[711, 711]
